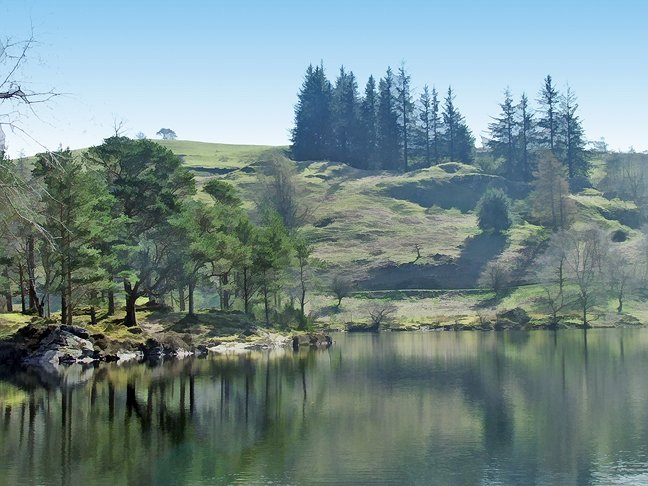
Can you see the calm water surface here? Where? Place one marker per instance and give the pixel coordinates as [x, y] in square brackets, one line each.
[397, 408]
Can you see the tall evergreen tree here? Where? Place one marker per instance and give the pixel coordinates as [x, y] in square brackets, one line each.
[368, 126]
[458, 140]
[502, 135]
[571, 140]
[387, 138]
[435, 126]
[149, 185]
[345, 118]
[312, 134]
[425, 105]
[405, 112]
[525, 138]
[77, 209]
[548, 121]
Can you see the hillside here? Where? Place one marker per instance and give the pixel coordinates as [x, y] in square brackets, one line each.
[368, 224]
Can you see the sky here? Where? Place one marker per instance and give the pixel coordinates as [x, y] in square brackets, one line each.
[229, 71]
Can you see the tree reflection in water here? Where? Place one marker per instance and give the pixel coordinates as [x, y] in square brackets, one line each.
[538, 407]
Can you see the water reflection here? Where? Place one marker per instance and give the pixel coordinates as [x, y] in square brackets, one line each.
[416, 408]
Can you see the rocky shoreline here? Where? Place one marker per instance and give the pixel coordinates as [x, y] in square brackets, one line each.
[49, 347]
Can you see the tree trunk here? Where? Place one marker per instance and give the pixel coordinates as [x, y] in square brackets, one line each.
[31, 273]
[192, 287]
[7, 294]
[111, 302]
[21, 278]
[131, 299]
[302, 297]
[620, 308]
[181, 298]
[93, 316]
[226, 293]
[266, 303]
[246, 291]
[69, 292]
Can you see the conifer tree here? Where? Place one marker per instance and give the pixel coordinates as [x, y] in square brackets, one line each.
[458, 140]
[77, 210]
[435, 126]
[425, 105]
[149, 184]
[502, 135]
[368, 126]
[387, 139]
[312, 134]
[571, 140]
[548, 121]
[345, 118]
[405, 113]
[525, 138]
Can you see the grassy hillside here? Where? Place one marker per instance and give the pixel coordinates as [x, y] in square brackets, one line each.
[372, 225]
[367, 224]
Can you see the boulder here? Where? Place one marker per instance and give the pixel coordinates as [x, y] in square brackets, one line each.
[60, 345]
[512, 319]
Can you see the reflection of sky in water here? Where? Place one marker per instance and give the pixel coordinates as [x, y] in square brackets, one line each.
[416, 408]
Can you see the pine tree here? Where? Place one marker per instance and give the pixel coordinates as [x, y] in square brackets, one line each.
[458, 140]
[525, 138]
[425, 103]
[571, 139]
[77, 210]
[435, 126]
[345, 118]
[149, 185]
[312, 134]
[548, 121]
[368, 126]
[405, 109]
[502, 135]
[387, 139]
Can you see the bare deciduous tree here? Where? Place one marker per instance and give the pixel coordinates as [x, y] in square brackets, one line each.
[341, 287]
[496, 276]
[621, 275]
[380, 313]
[280, 192]
[585, 252]
[16, 100]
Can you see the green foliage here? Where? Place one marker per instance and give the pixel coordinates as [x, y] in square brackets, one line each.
[458, 142]
[503, 133]
[149, 186]
[311, 136]
[222, 192]
[493, 211]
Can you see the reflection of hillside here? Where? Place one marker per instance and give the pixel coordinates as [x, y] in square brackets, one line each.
[516, 407]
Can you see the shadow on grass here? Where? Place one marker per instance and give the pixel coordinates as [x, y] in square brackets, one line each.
[495, 300]
[461, 273]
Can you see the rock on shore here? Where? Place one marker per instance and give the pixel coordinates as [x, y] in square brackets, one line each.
[48, 347]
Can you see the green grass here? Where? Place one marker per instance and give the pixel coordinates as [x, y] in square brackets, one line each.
[216, 155]
[11, 322]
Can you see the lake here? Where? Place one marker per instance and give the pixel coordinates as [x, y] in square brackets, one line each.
[465, 408]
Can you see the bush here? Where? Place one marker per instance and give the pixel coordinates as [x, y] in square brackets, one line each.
[493, 211]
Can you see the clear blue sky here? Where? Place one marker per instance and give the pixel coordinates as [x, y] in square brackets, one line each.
[228, 71]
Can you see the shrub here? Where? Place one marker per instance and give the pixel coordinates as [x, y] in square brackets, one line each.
[493, 211]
